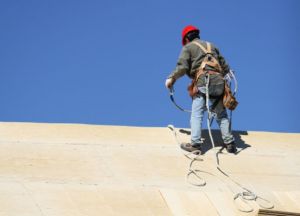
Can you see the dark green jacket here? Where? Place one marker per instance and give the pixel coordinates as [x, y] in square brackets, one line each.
[191, 57]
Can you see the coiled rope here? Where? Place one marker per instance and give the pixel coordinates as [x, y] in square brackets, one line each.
[193, 156]
[245, 195]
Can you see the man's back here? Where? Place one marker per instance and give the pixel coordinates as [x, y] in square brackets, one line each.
[191, 57]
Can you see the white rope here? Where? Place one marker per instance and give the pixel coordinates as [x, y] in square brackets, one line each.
[245, 195]
[193, 156]
[231, 76]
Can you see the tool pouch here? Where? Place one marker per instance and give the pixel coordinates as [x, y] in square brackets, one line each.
[229, 101]
[193, 88]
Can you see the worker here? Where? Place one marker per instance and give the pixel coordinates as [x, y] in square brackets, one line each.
[193, 63]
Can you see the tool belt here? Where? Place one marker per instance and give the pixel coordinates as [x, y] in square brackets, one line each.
[193, 86]
[229, 101]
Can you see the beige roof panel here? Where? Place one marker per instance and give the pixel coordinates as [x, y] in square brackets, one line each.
[87, 170]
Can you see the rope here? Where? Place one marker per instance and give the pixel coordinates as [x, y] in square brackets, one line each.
[228, 77]
[193, 156]
[246, 194]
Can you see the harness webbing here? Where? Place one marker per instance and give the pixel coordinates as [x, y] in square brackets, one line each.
[212, 61]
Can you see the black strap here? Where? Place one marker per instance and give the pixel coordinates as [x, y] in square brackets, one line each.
[174, 102]
[215, 107]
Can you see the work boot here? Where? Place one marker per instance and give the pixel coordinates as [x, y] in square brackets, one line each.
[230, 147]
[190, 148]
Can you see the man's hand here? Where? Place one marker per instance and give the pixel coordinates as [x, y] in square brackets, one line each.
[169, 82]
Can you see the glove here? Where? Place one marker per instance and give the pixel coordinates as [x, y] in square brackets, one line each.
[169, 82]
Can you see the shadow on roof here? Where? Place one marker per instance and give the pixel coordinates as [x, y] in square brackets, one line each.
[240, 143]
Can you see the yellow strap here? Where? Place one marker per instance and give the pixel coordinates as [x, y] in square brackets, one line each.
[201, 47]
[214, 63]
[208, 47]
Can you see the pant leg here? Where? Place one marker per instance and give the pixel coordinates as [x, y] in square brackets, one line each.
[198, 108]
[223, 122]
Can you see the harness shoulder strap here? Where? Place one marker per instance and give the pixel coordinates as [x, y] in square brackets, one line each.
[213, 62]
[208, 47]
[201, 47]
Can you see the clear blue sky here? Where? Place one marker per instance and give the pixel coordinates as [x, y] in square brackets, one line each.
[105, 62]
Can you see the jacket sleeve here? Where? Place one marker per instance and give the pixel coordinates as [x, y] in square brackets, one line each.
[222, 62]
[183, 65]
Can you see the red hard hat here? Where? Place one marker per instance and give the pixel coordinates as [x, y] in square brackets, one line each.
[186, 30]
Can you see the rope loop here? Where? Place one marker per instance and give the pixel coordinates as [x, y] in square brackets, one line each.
[244, 196]
[269, 205]
[246, 210]
[200, 181]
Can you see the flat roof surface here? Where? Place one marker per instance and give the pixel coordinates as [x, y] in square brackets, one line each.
[87, 170]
